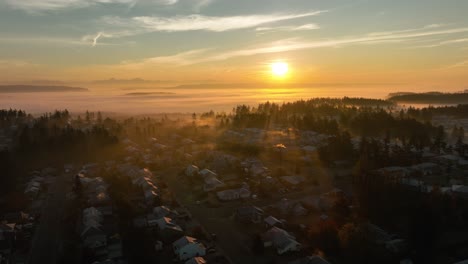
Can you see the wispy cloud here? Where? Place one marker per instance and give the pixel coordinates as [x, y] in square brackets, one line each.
[458, 64]
[213, 23]
[95, 40]
[34, 6]
[289, 28]
[44, 40]
[427, 27]
[125, 27]
[201, 4]
[47, 5]
[200, 56]
[444, 43]
[179, 59]
[15, 63]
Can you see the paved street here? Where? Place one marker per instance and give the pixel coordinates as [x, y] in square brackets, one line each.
[46, 244]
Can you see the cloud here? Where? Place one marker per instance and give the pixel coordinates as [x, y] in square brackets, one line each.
[179, 59]
[96, 39]
[34, 6]
[444, 43]
[201, 3]
[15, 63]
[289, 28]
[458, 65]
[201, 56]
[212, 23]
[431, 26]
[43, 40]
[126, 27]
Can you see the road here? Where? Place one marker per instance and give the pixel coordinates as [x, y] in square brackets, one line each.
[46, 243]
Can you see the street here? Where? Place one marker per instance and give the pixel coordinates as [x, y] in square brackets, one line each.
[46, 244]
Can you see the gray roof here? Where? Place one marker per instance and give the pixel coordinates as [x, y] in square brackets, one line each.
[310, 260]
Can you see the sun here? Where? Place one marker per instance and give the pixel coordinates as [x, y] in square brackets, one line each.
[279, 68]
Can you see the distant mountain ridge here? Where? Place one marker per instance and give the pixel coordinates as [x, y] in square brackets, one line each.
[430, 97]
[39, 89]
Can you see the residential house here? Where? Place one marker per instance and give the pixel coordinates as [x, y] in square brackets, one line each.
[249, 214]
[272, 221]
[167, 223]
[426, 168]
[93, 237]
[196, 260]
[310, 260]
[281, 240]
[191, 170]
[208, 173]
[448, 160]
[163, 211]
[188, 247]
[295, 180]
[212, 183]
[299, 210]
[233, 194]
[460, 190]
[393, 174]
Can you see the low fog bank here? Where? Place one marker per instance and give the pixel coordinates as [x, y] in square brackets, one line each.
[147, 100]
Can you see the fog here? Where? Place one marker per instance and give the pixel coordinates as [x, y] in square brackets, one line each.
[175, 100]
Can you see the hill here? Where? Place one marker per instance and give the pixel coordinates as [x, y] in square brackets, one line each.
[429, 98]
[39, 89]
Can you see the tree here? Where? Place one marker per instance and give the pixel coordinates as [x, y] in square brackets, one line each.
[99, 117]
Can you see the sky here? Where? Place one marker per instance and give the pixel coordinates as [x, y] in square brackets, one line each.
[420, 43]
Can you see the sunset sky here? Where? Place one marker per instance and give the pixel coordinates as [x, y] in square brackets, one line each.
[416, 42]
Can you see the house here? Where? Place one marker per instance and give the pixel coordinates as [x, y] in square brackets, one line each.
[16, 217]
[93, 237]
[212, 183]
[145, 183]
[460, 190]
[188, 247]
[191, 170]
[196, 260]
[151, 197]
[163, 211]
[249, 214]
[285, 206]
[426, 168]
[92, 217]
[448, 159]
[281, 240]
[233, 194]
[272, 221]
[394, 173]
[377, 234]
[167, 223]
[310, 260]
[292, 180]
[114, 251]
[7, 229]
[208, 173]
[257, 171]
[397, 246]
[414, 184]
[107, 261]
[299, 210]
